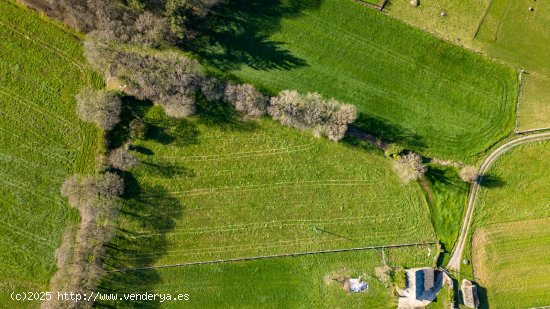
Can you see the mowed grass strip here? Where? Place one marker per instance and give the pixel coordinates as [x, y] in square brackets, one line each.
[511, 262]
[256, 188]
[41, 142]
[296, 282]
[409, 87]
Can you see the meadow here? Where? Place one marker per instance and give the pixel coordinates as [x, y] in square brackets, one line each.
[409, 87]
[513, 34]
[42, 142]
[296, 282]
[511, 227]
[211, 188]
[505, 30]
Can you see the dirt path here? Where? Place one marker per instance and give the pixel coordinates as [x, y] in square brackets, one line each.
[455, 261]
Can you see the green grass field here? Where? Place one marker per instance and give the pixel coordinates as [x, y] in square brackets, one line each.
[42, 142]
[210, 189]
[511, 228]
[511, 261]
[408, 86]
[446, 199]
[515, 35]
[296, 282]
[459, 26]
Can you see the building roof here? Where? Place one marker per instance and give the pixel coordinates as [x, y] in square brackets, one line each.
[469, 294]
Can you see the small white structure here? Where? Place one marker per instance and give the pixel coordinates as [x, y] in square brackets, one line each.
[356, 285]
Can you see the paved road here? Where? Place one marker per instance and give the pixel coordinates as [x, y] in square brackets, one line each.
[455, 261]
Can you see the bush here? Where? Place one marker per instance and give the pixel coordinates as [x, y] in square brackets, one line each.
[138, 129]
[469, 174]
[246, 99]
[393, 151]
[410, 167]
[312, 112]
[400, 278]
[212, 89]
[99, 107]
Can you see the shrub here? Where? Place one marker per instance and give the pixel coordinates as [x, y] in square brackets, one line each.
[311, 111]
[400, 278]
[393, 151]
[138, 129]
[99, 107]
[469, 174]
[246, 99]
[410, 167]
[212, 89]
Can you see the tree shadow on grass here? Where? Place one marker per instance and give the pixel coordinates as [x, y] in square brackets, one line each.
[146, 216]
[491, 181]
[222, 115]
[389, 133]
[238, 32]
[132, 108]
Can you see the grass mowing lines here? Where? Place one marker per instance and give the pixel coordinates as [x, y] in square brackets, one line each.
[42, 143]
[444, 104]
[324, 196]
[511, 261]
[510, 225]
[290, 282]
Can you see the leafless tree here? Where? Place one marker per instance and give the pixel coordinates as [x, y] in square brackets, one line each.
[246, 99]
[99, 107]
[122, 159]
[469, 174]
[311, 111]
[410, 167]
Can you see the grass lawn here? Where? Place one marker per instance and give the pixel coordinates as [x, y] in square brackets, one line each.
[511, 262]
[42, 142]
[409, 87]
[446, 198]
[515, 35]
[297, 282]
[209, 189]
[511, 228]
[459, 26]
[534, 109]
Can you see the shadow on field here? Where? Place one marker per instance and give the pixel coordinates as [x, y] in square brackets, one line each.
[491, 181]
[131, 108]
[222, 115]
[237, 33]
[389, 133]
[139, 242]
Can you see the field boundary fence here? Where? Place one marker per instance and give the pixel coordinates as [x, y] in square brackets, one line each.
[262, 257]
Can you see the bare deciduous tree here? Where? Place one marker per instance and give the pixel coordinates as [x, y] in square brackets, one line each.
[311, 111]
[469, 174]
[122, 159]
[410, 167]
[246, 99]
[99, 107]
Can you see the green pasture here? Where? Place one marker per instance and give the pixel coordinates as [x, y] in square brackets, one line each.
[210, 188]
[409, 87]
[459, 26]
[511, 227]
[294, 282]
[41, 142]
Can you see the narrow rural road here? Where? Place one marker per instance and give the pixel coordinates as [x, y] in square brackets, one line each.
[455, 261]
